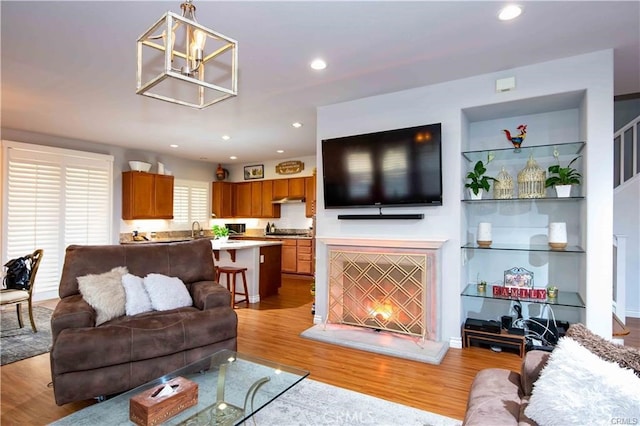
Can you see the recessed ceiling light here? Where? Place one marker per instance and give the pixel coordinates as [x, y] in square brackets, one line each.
[226, 137]
[297, 124]
[280, 151]
[318, 64]
[509, 12]
[233, 157]
[173, 145]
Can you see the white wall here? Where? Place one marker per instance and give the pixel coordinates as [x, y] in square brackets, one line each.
[443, 103]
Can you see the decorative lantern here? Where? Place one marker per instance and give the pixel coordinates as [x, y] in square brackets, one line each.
[503, 186]
[531, 180]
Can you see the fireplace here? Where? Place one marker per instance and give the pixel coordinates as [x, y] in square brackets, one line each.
[382, 295]
[379, 290]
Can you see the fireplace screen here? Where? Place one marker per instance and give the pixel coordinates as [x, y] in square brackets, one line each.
[382, 291]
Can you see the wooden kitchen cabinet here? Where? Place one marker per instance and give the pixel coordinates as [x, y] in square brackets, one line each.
[270, 276]
[222, 199]
[256, 199]
[146, 196]
[305, 257]
[296, 187]
[269, 210]
[243, 199]
[289, 256]
[310, 195]
[280, 188]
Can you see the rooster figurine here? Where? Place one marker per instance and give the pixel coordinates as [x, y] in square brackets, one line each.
[517, 140]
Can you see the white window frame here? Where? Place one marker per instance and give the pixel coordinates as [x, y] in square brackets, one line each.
[66, 159]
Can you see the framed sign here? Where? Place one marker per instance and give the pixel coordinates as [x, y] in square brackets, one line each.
[518, 277]
[254, 172]
[289, 167]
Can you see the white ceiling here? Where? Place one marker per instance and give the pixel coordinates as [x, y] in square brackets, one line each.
[69, 68]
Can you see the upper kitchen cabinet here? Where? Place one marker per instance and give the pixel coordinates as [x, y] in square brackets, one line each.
[243, 204]
[222, 199]
[310, 195]
[280, 188]
[296, 187]
[268, 208]
[146, 196]
[256, 199]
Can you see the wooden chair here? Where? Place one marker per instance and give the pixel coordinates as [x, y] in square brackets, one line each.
[16, 297]
[230, 272]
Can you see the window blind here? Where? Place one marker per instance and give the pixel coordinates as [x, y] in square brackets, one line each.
[190, 202]
[55, 197]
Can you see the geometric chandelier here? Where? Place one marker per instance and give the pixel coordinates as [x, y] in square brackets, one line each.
[183, 62]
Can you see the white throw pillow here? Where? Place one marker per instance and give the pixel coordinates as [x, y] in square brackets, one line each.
[577, 387]
[166, 292]
[137, 298]
[104, 293]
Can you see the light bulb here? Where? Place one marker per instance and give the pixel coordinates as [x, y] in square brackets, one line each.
[197, 46]
[173, 40]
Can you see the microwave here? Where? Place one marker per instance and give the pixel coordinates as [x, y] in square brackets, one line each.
[236, 228]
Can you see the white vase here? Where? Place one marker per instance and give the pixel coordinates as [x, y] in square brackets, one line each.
[223, 239]
[484, 234]
[477, 196]
[558, 235]
[563, 191]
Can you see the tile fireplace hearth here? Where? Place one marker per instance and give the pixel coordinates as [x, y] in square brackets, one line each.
[382, 296]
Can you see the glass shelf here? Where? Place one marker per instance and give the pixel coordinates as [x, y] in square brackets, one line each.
[565, 298]
[524, 247]
[524, 200]
[538, 151]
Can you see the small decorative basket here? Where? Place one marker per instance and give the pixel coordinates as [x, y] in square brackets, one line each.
[503, 186]
[531, 180]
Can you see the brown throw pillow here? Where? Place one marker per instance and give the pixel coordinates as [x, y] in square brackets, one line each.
[105, 293]
[625, 356]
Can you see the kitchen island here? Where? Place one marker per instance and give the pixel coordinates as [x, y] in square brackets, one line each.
[262, 260]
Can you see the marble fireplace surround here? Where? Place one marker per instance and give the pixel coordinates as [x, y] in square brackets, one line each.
[427, 348]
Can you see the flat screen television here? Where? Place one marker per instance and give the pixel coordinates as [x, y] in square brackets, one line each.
[393, 168]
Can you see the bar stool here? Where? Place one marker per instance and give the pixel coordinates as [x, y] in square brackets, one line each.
[230, 272]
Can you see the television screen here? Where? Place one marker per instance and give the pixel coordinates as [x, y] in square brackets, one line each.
[393, 168]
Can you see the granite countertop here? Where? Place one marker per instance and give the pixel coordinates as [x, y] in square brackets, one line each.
[164, 240]
[241, 244]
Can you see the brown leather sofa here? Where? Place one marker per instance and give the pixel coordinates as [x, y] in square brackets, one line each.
[499, 396]
[89, 361]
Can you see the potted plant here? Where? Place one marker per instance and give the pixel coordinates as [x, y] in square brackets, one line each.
[221, 233]
[552, 292]
[482, 286]
[561, 178]
[478, 182]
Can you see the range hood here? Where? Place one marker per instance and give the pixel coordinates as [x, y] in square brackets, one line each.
[288, 200]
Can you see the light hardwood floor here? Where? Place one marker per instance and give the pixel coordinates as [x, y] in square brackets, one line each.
[271, 330]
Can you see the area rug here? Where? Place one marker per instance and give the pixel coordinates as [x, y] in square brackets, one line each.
[382, 342]
[20, 343]
[309, 403]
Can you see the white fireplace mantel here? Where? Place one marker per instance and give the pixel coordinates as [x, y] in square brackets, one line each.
[382, 242]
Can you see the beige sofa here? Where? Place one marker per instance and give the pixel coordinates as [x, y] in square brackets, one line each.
[89, 361]
[585, 380]
[499, 396]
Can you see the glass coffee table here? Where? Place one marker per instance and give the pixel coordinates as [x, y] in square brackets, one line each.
[231, 387]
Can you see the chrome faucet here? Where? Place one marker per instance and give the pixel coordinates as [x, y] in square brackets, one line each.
[193, 229]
